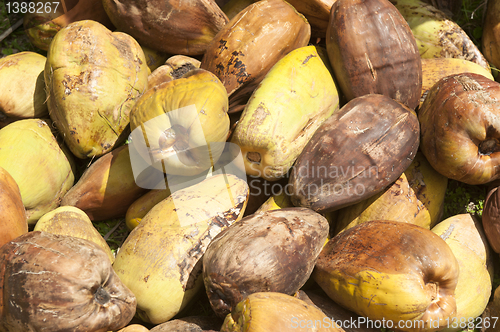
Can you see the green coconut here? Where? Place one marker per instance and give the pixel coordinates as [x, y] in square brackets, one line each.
[31, 154]
[93, 78]
[22, 89]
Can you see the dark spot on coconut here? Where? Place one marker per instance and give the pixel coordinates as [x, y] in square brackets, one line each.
[238, 64]
[84, 60]
[489, 146]
[101, 296]
[253, 157]
[77, 82]
[220, 67]
[222, 45]
[146, 278]
[123, 47]
[185, 68]
[308, 58]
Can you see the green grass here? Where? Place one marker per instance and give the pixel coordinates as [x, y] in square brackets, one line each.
[114, 232]
[17, 41]
[471, 19]
[462, 198]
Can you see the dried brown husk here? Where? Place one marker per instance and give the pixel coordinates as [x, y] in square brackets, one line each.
[355, 154]
[174, 27]
[248, 46]
[60, 283]
[373, 51]
[279, 249]
[460, 128]
[317, 12]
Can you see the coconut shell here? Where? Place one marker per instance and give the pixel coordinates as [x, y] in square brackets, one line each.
[489, 318]
[93, 78]
[33, 157]
[355, 154]
[375, 52]
[154, 58]
[491, 36]
[173, 27]
[460, 128]
[184, 122]
[465, 236]
[491, 218]
[270, 141]
[60, 283]
[270, 311]
[190, 324]
[393, 271]
[69, 220]
[434, 69]
[107, 188]
[14, 222]
[141, 206]
[160, 260]
[22, 88]
[417, 197]
[279, 249]
[318, 298]
[248, 46]
[173, 68]
[134, 328]
[436, 34]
